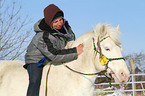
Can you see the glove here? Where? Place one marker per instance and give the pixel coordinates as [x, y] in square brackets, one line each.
[41, 62]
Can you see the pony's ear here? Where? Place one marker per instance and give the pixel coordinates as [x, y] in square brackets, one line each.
[118, 28]
[103, 31]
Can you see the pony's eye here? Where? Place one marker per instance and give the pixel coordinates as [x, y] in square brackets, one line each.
[107, 49]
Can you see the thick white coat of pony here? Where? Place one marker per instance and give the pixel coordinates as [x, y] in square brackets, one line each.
[62, 81]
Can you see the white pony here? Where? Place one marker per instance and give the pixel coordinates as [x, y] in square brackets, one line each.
[62, 81]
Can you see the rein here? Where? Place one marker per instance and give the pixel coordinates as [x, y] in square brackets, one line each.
[46, 89]
[97, 73]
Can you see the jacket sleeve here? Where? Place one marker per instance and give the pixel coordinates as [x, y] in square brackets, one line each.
[56, 56]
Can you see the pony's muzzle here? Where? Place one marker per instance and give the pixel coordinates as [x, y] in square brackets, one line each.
[124, 77]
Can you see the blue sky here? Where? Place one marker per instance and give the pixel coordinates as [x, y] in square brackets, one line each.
[83, 14]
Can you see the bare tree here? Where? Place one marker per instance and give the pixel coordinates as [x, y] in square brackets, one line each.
[14, 33]
[138, 59]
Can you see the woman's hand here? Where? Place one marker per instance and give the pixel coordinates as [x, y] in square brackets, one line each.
[80, 49]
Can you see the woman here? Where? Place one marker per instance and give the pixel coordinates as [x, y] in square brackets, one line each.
[52, 34]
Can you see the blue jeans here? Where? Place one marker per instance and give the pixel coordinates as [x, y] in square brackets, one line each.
[35, 74]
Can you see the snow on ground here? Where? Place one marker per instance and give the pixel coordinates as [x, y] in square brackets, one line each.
[117, 92]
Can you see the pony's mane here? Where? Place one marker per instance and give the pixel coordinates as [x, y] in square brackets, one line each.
[114, 33]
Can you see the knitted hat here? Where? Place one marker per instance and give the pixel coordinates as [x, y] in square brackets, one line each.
[52, 12]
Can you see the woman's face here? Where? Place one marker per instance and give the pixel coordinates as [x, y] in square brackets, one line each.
[57, 23]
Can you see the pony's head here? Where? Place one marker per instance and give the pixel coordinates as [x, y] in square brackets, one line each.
[107, 47]
[102, 50]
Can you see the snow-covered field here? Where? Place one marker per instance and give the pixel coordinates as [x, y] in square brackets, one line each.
[108, 92]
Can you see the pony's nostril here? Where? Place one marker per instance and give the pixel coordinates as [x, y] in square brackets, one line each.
[122, 74]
